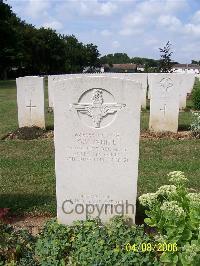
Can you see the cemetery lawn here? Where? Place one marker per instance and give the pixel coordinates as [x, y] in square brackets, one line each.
[27, 176]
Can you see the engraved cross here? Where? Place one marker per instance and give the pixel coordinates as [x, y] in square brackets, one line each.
[164, 109]
[30, 106]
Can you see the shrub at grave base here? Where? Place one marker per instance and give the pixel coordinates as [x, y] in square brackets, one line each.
[176, 215]
[195, 126]
[172, 210]
[54, 244]
[16, 247]
[196, 95]
[91, 243]
[84, 243]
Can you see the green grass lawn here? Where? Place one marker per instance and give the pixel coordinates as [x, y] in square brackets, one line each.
[27, 175]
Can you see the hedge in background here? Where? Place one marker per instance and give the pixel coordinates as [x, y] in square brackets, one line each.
[196, 95]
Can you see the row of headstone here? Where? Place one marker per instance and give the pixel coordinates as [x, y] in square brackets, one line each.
[97, 127]
[139, 77]
[167, 93]
[96, 137]
[186, 82]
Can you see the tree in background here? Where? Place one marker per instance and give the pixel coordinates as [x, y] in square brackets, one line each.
[10, 53]
[25, 50]
[150, 65]
[43, 51]
[195, 62]
[165, 64]
[79, 56]
[117, 58]
[92, 55]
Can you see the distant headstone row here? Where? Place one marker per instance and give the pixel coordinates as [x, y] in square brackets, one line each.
[167, 94]
[141, 78]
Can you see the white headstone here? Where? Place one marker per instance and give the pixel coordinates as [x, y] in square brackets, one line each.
[183, 90]
[148, 91]
[30, 101]
[164, 102]
[96, 127]
[50, 90]
[52, 79]
[137, 77]
[191, 81]
[186, 85]
[183, 100]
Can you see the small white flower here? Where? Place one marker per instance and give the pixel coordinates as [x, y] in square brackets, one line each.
[166, 190]
[177, 177]
[194, 199]
[191, 251]
[172, 207]
[148, 199]
[195, 125]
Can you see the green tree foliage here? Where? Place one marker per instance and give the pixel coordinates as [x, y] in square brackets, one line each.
[34, 51]
[195, 62]
[122, 58]
[44, 51]
[145, 61]
[92, 55]
[9, 44]
[79, 56]
[165, 58]
[117, 58]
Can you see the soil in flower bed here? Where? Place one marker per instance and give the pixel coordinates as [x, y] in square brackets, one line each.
[30, 133]
[33, 224]
[166, 135]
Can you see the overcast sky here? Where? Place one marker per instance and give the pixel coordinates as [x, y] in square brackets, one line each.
[135, 27]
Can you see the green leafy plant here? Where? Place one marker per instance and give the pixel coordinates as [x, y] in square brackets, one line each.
[16, 247]
[195, 125]
[92, 243]
[172, 211]
[54, 244]
[84, 243]
[175, 213]
[196, 95]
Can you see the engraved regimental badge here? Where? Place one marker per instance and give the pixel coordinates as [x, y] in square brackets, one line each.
[166, 84]
[94, 111]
